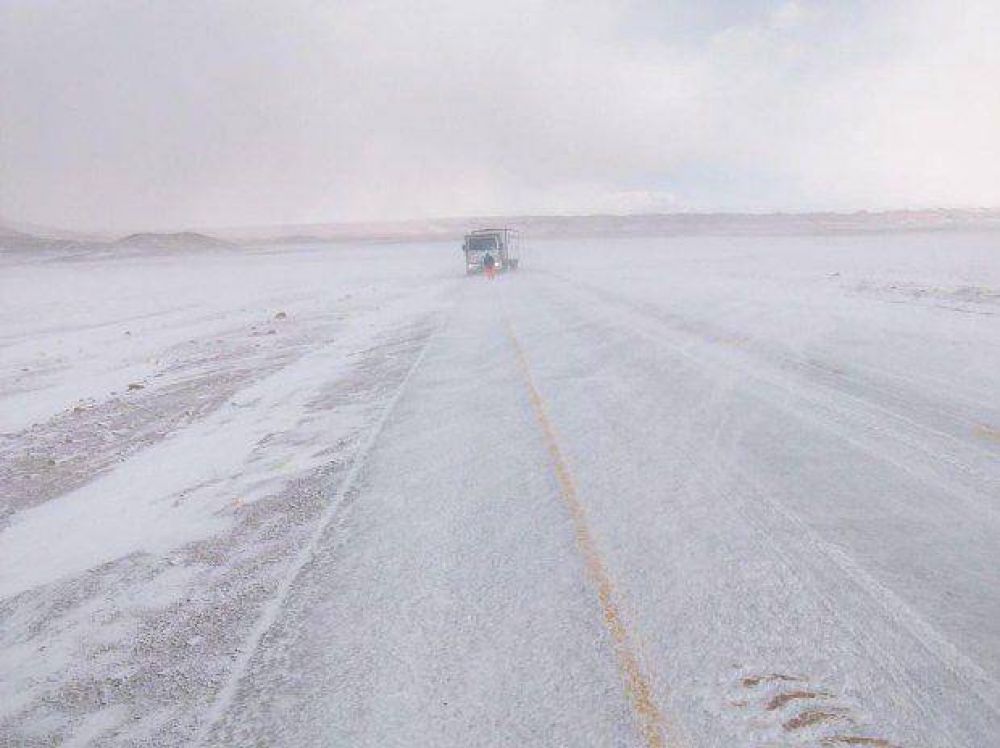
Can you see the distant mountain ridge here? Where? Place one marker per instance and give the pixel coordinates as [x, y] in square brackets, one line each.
[655, 224]
[16, 240]
[538, 227]
[172, 240]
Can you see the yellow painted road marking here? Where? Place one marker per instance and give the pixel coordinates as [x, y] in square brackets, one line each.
[637, 686]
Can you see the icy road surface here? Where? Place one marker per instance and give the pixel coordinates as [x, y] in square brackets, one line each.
[674, 492]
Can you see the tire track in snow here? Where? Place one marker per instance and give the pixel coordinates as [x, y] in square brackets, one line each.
[637, 685]
[877, 601]
[818, 373]
[837, 403]
[272, 608]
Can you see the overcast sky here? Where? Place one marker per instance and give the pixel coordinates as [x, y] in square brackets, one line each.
[131, 114]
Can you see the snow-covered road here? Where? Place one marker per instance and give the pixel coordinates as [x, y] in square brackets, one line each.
[672, 492]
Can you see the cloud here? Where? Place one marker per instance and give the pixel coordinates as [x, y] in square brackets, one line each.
[129, 115]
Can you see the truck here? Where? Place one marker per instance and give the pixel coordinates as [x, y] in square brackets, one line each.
[503, 245]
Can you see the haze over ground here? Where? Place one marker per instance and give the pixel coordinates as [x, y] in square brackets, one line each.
[280, 465]
[159, 115]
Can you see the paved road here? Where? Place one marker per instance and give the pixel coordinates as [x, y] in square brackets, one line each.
[667, 492]
[595, 514]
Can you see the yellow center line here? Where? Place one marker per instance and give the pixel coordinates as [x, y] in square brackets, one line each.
[637, 688]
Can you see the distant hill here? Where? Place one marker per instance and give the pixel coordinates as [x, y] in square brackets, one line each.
[19, 241]
[657, 224]
[49, 233]
[12, 239]
[178, 240]
[535, 227]
[6, 232]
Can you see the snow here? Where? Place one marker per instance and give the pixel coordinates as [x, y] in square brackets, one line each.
[350, 530]
[75, 329]
[173, 492]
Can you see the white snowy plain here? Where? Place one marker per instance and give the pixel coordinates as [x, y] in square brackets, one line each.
[302, 496]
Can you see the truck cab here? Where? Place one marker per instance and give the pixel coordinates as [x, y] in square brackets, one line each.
[503, 245]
